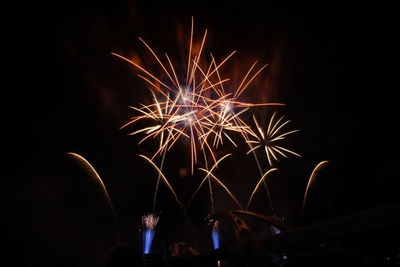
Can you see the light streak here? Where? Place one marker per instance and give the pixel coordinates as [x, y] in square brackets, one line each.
[258, 185]
[164, 179]
[223, 186]
[199, 107]
[268, 139]
[205, 178]
[149, 223]
[215, 235]
[312, 178]
[188, 109]
[96, 177]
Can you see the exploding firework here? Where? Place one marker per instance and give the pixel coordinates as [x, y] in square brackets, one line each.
[197, 107]
[268, 139]
[149, 223]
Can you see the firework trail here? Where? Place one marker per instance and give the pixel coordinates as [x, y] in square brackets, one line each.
[258, 185]
[210, 190]
[96, 177]
[267, 139]
[263, 180]
[311, 180]
[158, 180]
[223, 186]
[165, 180]
[149, 223]
[205, 178]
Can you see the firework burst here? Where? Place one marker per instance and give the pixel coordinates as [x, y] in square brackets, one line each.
[196, 108]
[199, 109]
[269, 139]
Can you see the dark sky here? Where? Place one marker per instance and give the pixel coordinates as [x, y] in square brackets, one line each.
[334, 65]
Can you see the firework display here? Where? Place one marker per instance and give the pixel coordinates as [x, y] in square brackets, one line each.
[205, 111]
[269, 138]
[198, 109]
[216, 133]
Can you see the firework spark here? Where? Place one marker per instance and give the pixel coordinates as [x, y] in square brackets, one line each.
[268, 139]
[223, 186]
[182, 114]
[205, 178]
[96, 177]
[312, 178]
[196, 108]
[164, 179]
[258, 185]
[149, 223]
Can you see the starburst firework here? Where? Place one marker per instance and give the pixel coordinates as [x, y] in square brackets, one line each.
[269, 139]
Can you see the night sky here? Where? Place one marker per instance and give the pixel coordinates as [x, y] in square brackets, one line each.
[333, 65]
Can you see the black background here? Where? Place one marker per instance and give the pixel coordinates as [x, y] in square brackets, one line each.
[334, 65]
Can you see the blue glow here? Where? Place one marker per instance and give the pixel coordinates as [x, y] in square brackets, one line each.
[148, 236]
[215, 239]
[275, 230]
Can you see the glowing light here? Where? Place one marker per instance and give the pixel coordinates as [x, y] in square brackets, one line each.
[312, 178]
[275, 230]
[207, 177]
[268, 139]
[164, 179]
[96, 177]
[258, 185]
[149, 223]
[223, 186]
[215, 235]
[196, 109]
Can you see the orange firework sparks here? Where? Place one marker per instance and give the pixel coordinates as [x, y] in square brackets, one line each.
[202, 109]
[268, 139]
[222, 185]
[205, 178]
[196, 108]
[165, 180]
[262, 179]
[311, 180]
